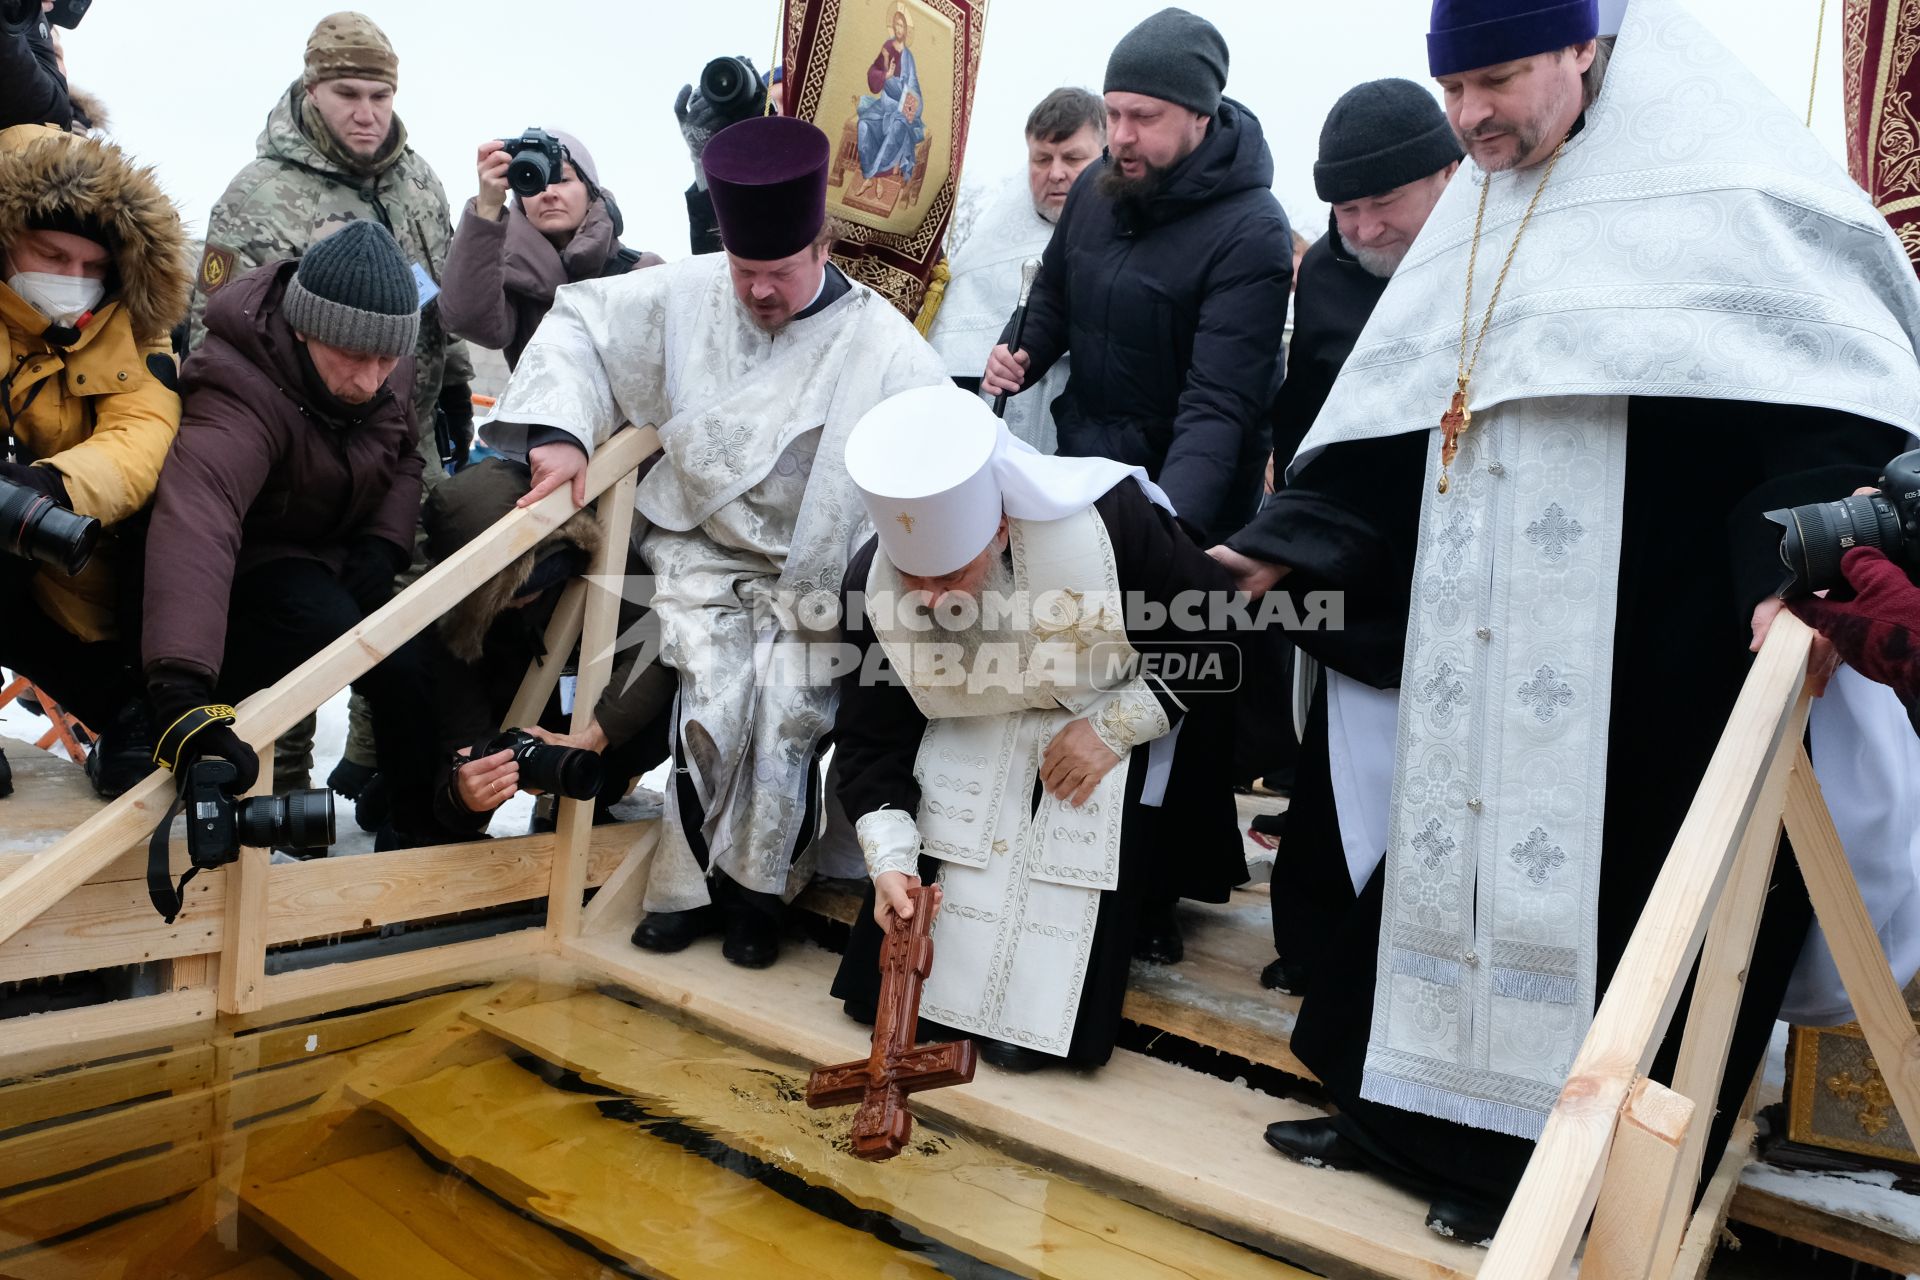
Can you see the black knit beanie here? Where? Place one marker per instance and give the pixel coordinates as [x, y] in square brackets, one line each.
[1381, 135]
[354, 290]
[1175, 56]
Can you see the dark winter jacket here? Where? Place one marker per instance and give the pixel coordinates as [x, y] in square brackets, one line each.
[501, 272]
[1332, 301]
[32, 90]
[268, 466]
[1174, 312]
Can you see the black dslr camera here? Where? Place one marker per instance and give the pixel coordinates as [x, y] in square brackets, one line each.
[567, 771]
[733, 89]
[1819, 533]
[218, 824]
[537, 156]
[35, 527]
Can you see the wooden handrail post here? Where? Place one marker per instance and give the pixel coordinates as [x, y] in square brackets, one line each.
[543, 673]
[1549, 1212]
[1646, 1163]
[599, 631]
[243, 949]
[52, 873]
[1855, 943]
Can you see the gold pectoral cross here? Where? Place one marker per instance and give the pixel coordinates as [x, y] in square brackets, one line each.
[1453, 423]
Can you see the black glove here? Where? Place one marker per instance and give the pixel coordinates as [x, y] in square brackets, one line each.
[39, 479]
[456, 401]
[193, 727]
[699, 121]
[372, 564]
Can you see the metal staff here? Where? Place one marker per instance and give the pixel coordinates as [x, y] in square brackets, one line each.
[1027, 275]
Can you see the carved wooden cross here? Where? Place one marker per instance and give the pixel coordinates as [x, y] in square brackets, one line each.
[896, 1067]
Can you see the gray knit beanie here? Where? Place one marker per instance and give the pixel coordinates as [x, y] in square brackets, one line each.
[354, 290]
[1175, 56]
[1381, 135]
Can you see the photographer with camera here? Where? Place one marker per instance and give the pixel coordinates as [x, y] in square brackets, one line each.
[509, 256]
[730, 91]
[289, 503]
[482, 647]
[33, 89]
[90, 283]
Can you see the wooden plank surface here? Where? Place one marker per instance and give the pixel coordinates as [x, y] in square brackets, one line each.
[66, 1206]
[1158, 1135]
[46, 1041]
[1702, 1238]
[1642, 1172]
[1850, 1237]
[982, 1202]
[62, 1148]
[387, 1214]
[628, 1193]
[384, 977]
[33, 1099]
[97, 925]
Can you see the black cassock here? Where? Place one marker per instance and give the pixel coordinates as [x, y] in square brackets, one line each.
[1189, 846]
[1695, 558]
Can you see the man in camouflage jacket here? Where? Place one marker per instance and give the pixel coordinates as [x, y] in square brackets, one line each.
[332, 152]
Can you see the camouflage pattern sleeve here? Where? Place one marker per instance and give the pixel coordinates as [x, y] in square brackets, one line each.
[259, 219]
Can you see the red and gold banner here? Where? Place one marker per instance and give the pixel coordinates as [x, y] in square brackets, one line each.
[890, 82]
[1880, 41]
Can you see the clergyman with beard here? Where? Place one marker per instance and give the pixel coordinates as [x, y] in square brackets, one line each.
[1167, 279]
[996, 735]
[1386, 154]
[1065, 133]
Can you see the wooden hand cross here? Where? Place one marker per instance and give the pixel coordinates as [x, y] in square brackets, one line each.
[896, 1067]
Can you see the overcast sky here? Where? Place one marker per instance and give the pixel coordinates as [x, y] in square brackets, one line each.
[189, 88]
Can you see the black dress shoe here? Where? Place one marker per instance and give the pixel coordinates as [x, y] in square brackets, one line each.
[1468, 1221]
[123, 754]
[666, 931]
[753, 939]
[1285, 975]
[861, 1011]
[1013, 1057]
[1157, 938]
[1315, 1142]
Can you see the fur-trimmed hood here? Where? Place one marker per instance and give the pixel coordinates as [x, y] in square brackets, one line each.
[45, 171]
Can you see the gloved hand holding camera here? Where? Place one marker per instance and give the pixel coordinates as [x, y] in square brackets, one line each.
[730, 91]
[194, 727]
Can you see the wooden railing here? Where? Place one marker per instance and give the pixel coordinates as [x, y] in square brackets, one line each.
[81, 903]
[1626, 1151]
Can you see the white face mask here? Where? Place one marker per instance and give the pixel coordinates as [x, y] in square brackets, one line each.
[61, 299]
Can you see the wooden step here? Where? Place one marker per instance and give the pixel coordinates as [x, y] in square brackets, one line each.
[1166, 1138]
[387, 1213]
[627, 1192]
[955, 1190]
[176, 1241]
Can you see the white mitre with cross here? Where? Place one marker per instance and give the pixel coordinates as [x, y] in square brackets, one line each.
[937, 469]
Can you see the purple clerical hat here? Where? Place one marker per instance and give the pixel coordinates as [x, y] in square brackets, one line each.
[1482, 33]
[768, 180]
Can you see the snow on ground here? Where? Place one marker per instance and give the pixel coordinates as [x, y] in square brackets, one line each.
[1867, 1196]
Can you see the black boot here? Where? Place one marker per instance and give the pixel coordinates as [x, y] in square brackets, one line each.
[1157, 936]
[1013, 1057]
[668, 931]
[1285, 975]
[6, 777]
[1315, 1142]
[124, 753]
[753, 939]
[1465, 1220]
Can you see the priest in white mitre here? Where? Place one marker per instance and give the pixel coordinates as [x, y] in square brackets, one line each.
[1065, 133]
[1649, 309]
[754, 364]
[1017, 676]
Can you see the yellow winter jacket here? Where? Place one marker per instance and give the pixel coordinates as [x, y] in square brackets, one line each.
[102, 412]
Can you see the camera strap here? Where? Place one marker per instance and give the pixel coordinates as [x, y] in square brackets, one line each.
[166, 752]
[167, 898]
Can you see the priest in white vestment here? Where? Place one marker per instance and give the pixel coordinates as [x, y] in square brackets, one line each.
[753, 364]
[1022, 675]
[1065, 133]
[1678, 313]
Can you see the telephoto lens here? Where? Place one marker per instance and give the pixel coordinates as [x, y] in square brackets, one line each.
[297, 820]
[1815, 536]
[730, 86]
[35, 527]
[567, 771]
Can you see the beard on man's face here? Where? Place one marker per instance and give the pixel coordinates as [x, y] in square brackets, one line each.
[1118, 187]
[1376, 262]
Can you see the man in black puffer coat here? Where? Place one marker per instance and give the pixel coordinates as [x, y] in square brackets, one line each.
[1167, 278]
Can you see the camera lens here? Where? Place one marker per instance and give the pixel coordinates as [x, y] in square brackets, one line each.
[729, 84]
[296, 820]
[1819, 533]
[530, 173]
[35, 527]
[567, 771]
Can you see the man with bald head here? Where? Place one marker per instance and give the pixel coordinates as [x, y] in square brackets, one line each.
[1547, 609]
